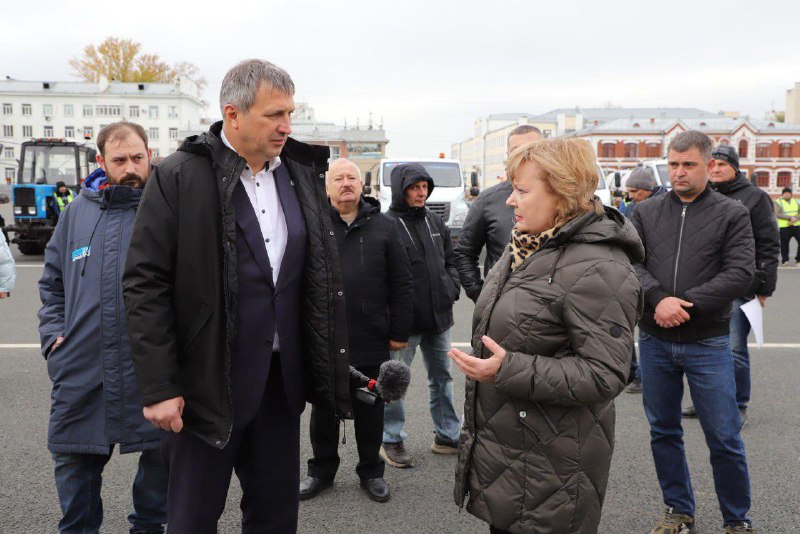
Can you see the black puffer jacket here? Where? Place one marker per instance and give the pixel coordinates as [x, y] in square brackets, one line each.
[430, 249]
[765, 231]
[180, 284]
[489, 222]
[701, 252]
[378, 287]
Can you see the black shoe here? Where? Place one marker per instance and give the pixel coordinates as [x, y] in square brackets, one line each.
[743, 417]
[376, 488]
[689, 412]
[311, 486]
[635, 386]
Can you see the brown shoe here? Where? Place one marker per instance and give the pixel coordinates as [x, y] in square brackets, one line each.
[674, 523]
[395, 455]
[743, 527]
[444, 446]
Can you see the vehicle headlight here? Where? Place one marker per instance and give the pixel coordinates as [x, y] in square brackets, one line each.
[17, 210]
[32, 210]
[459, 218]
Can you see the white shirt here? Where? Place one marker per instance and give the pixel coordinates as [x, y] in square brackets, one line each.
[263, 194]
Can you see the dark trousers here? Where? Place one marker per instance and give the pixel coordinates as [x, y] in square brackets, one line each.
[266, 456]
[79, 479]
[324, 432]
[786, 236]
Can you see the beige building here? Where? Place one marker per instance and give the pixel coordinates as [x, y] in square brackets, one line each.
[793, 104]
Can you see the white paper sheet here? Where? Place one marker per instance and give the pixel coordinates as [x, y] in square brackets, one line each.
[755, 314]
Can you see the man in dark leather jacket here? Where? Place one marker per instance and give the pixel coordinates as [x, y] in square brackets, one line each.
[489, 223]
[235, 306]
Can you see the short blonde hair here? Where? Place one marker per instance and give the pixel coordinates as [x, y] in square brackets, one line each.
[570, 172]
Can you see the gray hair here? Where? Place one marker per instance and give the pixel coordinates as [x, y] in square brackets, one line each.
[685, 141]
[342, 161]
[241, 83]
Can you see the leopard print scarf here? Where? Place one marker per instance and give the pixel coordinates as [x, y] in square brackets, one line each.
[523, 245]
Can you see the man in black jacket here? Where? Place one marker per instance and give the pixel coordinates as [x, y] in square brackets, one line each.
[235, 306]
[700, 257]
[726, 179]
[436, 288]
[489, 223]
[379, 293]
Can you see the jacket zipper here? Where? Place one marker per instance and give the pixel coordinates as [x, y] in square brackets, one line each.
[678, 253]
[361, 250]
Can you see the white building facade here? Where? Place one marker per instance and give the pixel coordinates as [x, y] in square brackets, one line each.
[77, 111]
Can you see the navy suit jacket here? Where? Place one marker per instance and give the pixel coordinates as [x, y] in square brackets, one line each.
[264, 307]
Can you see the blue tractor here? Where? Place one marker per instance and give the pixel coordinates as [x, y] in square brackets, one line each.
[42, 164]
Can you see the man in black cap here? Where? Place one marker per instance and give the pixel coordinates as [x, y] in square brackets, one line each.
[725, 177]
[61, 197]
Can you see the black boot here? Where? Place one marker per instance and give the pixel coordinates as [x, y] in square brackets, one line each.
[376, 488]
[311, 486]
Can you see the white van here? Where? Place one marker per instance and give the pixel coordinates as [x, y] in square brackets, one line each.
[448, 199]
[657, 166]
[602, 191]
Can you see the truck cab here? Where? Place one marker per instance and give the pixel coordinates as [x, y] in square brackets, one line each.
[448, 199]
[43, 163]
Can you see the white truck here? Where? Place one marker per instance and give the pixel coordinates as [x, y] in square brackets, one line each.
[448, 199]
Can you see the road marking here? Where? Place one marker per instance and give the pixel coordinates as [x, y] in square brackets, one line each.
[29, 265]
[459, 344]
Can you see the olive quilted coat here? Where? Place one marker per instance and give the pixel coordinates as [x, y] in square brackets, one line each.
[536, 444]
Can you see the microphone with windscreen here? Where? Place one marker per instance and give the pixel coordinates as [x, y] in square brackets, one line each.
[391, 384]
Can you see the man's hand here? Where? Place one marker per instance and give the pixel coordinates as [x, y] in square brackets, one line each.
[4, 294]
[166, 415]
[670, 312]
[397, 345]
[762, 299]
[57, 343]
[476, 368]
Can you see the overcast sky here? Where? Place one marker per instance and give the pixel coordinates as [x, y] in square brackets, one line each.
[430, 68]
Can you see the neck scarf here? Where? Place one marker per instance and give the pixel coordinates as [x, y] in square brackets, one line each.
[523, 245]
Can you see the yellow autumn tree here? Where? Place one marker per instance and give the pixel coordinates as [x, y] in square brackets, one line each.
[122, 60]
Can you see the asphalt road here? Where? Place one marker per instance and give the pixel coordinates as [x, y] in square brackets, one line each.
[421, 497]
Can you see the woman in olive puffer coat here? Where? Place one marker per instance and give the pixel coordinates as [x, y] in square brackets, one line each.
[552, 336]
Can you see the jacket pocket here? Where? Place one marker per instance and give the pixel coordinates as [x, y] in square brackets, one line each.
[201, 318]
[535, 418]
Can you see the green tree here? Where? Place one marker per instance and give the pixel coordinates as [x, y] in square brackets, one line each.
[122, 60]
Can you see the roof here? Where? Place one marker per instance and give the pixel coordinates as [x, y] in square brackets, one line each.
[90, 88]
[715, 123]
[609, 114]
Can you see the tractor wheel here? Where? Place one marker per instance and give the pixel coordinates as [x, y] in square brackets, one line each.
[31, 249]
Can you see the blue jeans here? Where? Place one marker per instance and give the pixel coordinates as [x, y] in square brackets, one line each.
[440, 389]
[740, 329]
[79, 478]
[708, 365]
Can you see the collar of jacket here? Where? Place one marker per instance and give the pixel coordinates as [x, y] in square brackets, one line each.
[702, 196]
[726, 188]
[210, 144]
[366, 206]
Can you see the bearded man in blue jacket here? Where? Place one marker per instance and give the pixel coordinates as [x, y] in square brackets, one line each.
[95, 401]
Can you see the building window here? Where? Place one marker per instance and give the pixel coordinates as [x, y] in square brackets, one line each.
[88, 132]
[48, 131]
[27, 109]
[173, 133]
[155, 152]
[8, 152]
[9, 174]
[785, 151]
[743, 148]
[27, 131]
[653, 150]
[784, 179]
[762, 150]
[8, 130]
[153, 112]
[134, 112]
[762, 178]
[69, 110]
[87, 110]
[631, 150]
[152, 134]
[109, 110]
[8, 109]
[69, 131]
[608, 150]
[173, 112]
[47, 110]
